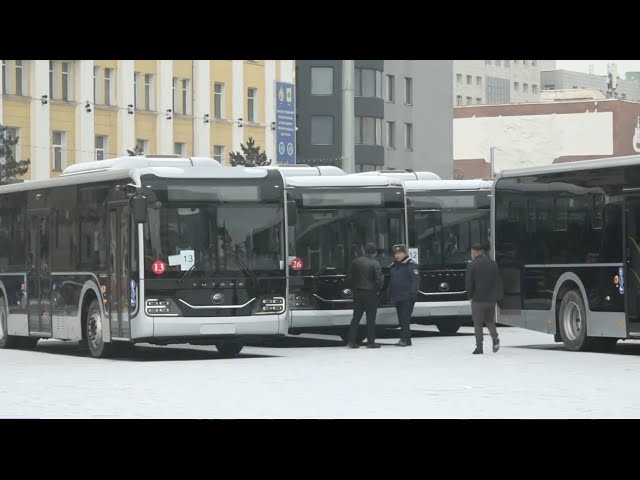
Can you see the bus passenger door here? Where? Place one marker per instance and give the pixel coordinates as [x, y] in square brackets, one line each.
[38, 275]
[119, 255]
[630, 280]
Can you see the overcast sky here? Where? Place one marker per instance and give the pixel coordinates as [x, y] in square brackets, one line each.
[600, 66]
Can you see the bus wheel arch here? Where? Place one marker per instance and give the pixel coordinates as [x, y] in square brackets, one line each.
[93, 324]
[5, 340]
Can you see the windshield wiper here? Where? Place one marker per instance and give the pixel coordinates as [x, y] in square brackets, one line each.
[196, 263]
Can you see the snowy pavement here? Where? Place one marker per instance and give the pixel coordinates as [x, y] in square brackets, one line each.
[316, 377]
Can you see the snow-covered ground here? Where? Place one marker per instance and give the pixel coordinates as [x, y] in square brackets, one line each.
[315, 377]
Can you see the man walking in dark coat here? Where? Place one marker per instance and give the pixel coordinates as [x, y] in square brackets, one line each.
[484, 288]
[404, 284]
[367, 280]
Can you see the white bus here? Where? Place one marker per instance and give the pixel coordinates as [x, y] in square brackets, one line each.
[144, 250]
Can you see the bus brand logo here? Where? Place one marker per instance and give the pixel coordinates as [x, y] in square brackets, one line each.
[217, 298]
[347, 293]
[133, 294]
[444, 287]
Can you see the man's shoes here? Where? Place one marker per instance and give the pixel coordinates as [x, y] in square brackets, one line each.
[477, 351]
[402, 343]
[373, 345]
[496, 346]
[352, 345]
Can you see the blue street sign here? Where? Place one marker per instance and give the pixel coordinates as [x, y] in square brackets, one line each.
[285, 123]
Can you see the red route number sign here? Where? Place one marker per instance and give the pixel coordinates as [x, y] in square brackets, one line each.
[297, 264]
[158, 267]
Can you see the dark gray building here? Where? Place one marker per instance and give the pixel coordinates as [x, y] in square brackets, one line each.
[403, 114]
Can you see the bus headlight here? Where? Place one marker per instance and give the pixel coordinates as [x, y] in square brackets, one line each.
[271, 305]
[161, 306]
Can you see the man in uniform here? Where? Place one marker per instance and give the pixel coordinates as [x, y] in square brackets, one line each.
[404, 283]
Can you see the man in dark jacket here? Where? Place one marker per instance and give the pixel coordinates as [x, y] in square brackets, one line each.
[484, 288]
[367, 281]
[404, 282]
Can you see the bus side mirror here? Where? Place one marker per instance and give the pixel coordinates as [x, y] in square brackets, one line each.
[139, 208]
[292, 213]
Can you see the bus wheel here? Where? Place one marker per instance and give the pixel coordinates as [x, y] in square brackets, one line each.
[6, 341]
[229, 349]
[573, 322]
[95, 332]
[449, 327]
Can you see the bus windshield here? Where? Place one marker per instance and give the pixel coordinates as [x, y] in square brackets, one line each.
[444, 231]
[329, 239]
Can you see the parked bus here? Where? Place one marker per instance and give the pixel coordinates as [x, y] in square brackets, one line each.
[337, 215]
[144, 250]
[567, 243]
[444, 218]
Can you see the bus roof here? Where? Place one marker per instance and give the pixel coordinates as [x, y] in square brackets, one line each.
[427, 185]
[127, 163]
[402, 174]
[572, 166]
[342, 181]
[300, 170]
[135, 170]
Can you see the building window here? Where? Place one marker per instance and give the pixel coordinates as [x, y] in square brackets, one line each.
[174, 92]
[368, 83]
[136, 83]
[368, 131]
[218, 153]
[148, 97]
[525, 88]
[19, 77]
[408, 136]
[515, 62]
[218, 97]
[180, 149]
[52, 80]
[524, 62]
[252, 101]
[516, 86]
[108, 85]
[534, 63]
[469, 100]
[458, 99]
[391, 134]
[408, 91]
[14, 132]
[507, 63]
[65, 80]
[469, 80]
[391, 88]
[143, 145]
[96, 73]
[479, 81]
[549, 86]
[534, 88]
[101, 147]
[57, 142]
[459, 78]
[498, 63]
[478, 101]
[4, 77]
[321, 130]
[487, 62]
[321, 81]
[186, 97]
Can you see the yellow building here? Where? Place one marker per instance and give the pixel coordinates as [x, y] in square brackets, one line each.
[70, 111]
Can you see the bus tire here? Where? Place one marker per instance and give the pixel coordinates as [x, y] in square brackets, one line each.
[229, 349]
[95, 332]
[572, 319]
[6, 340]
[448, 326]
